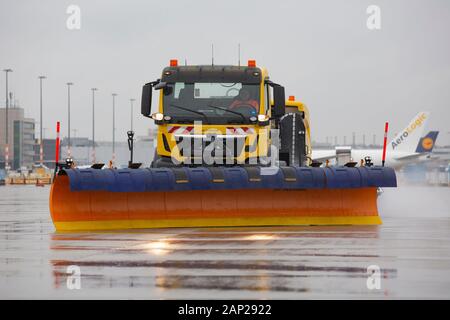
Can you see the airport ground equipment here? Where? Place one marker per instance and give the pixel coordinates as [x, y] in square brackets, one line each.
[231, 151]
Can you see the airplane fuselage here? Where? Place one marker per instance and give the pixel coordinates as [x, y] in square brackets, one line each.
[395, 159]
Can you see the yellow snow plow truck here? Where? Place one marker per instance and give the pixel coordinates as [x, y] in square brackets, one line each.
[231, 151]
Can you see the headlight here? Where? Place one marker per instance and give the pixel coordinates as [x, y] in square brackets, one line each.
[253, 119]
[157, 116]
[263, 117]
[167, 118]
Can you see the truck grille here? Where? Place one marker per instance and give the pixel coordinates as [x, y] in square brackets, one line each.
[224, 147]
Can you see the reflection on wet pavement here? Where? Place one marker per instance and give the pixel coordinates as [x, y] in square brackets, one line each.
[257, 263]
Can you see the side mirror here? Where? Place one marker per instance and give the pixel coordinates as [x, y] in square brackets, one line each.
[146, 102]
[160, 85]
[279, 102]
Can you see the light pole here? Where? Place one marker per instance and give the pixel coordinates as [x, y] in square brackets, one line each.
[41, 149]
[114, 128]
[68, 116]
[93, 124]
[131, 101]
[6, 117]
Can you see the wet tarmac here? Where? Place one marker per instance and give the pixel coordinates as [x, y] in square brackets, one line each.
[411, 248]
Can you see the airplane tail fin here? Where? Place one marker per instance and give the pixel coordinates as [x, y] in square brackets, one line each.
[426, 143]
[407, 139]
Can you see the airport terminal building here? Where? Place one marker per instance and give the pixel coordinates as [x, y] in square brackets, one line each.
[21, 138]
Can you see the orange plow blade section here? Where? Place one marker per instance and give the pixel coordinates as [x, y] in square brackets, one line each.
[105, 210]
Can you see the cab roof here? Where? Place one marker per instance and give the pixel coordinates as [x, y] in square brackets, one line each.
[212, 73]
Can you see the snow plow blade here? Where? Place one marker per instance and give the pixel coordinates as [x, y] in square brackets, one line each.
[92, 199]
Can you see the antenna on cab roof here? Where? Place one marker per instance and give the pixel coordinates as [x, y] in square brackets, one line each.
[239, 54]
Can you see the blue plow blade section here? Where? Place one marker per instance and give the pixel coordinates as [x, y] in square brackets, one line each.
[232, 178]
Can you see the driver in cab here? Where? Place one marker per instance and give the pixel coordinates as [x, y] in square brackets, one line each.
[243, 99]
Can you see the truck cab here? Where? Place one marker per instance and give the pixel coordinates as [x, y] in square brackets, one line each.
[213, 115]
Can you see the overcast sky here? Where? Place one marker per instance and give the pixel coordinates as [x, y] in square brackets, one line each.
[351, 78]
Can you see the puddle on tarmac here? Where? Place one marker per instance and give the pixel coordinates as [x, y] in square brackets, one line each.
[413, 253]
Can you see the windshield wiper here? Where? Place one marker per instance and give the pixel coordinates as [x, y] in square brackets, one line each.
[193, 111]
[227, 110]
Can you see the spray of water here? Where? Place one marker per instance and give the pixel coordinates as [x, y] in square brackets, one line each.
[419, 201]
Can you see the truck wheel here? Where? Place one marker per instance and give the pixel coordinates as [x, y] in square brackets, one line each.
[155, 160]
[292, 140]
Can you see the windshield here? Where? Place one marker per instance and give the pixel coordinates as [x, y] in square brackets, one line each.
[214, 103]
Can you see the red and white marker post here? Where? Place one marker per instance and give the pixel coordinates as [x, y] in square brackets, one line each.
[6, 157]
[41, 154]
[58, 127]
[386, 127]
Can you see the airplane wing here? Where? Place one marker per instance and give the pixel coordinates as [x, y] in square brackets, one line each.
[323, 155]
[411, 156]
